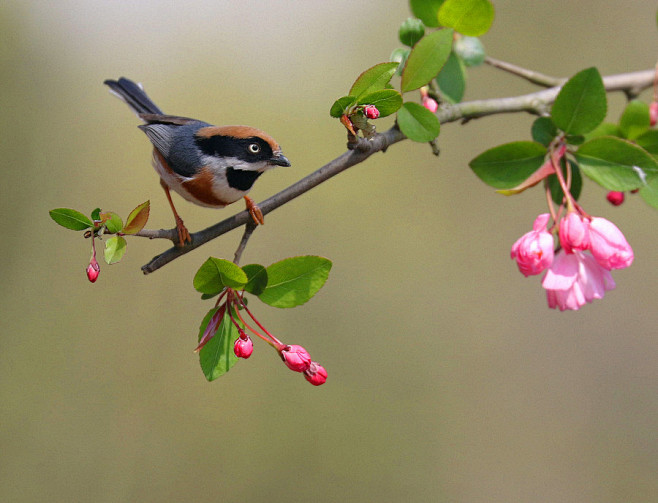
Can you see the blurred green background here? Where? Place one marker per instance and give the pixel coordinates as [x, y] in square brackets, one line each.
[449, 378]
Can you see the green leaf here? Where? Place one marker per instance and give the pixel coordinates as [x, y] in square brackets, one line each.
[293, 281]
[257, 275]
[215, 274]
[427, 11]
[557, 194]
[603, 129]
[543, 130]
[616, 164]
[470, 50]
[112, 222]
[411, 31]
[650, 192]
[635, 119]
[137, 219]
[400, 56]
[341, 105]
[71, 219]
[581, 104]
[452, 79]
[387, 101]
[649, 141]
[115, 248]
[373, 79]
[426, 59]
[417, 123]
[468, 17]
[96, 214]
[216, 356]
[508, 165]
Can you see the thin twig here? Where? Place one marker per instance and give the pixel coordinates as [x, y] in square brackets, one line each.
[535, 77]
[537, 103]
[249, 229]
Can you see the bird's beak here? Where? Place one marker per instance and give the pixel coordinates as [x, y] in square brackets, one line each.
[280, 160]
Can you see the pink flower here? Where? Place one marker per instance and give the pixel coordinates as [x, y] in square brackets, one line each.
[93, 270]
[575, 279]
[243, 347]
[315, 374]
[533, 251]
[608, 245]
[371, 112]
[615, 198]
[296, 358]
[653, 113]
[574, 232]
[430, 103]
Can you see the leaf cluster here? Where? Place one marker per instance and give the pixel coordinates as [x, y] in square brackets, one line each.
[619, 156]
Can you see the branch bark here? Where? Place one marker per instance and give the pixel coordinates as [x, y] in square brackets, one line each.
[535, 103]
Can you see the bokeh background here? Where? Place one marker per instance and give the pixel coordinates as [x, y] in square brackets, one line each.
[449, 378]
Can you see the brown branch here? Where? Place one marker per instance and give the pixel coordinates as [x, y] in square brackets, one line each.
[535, 77]
[536, 103]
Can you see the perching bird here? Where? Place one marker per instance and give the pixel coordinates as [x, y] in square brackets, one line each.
[208, 165]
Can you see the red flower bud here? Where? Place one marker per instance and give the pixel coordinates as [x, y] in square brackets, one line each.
[430, 104]
[615, 198]
[93, 270]
[296, 358]
[243, 347]
[371, 111]
[653, 113]
[315, 374]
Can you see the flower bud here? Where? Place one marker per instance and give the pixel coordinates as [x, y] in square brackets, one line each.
[296, 358]
[615, 198]
[315, 374]
[430, 103]
[533, 251]
[574, 233]
[653, 113]
[93, 270]
[371, 111]
[608, 245]
[243, 347]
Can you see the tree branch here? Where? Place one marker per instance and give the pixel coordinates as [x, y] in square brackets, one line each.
[536, 103]
[535, 77]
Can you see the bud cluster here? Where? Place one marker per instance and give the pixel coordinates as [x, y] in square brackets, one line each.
[295, 357]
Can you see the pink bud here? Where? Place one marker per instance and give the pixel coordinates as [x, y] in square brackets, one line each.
[243, 347]
[296, 358]
[371, 111]
[574, 232]
[615, 198]
[533, 251]
[430, 103]
[653, 113]
[608, 245]
[315, 374]
[93, 270]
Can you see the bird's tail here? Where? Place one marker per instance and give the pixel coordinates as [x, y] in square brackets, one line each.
[133, 94]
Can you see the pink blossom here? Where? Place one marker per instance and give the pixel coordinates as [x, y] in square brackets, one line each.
[315, 374]
[430, 103]
[575, 279]
[653, 113]
[574, 232]
[608, 245]
[533, 251]
[296, 358]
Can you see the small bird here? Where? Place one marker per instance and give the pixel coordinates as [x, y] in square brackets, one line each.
[208, 165]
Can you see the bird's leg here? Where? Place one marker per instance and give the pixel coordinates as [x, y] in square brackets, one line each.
[254, 211]
[183, 233]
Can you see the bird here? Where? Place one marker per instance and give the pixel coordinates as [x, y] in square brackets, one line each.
[212, 166]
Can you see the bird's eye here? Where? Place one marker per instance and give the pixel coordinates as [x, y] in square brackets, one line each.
[254, 148]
